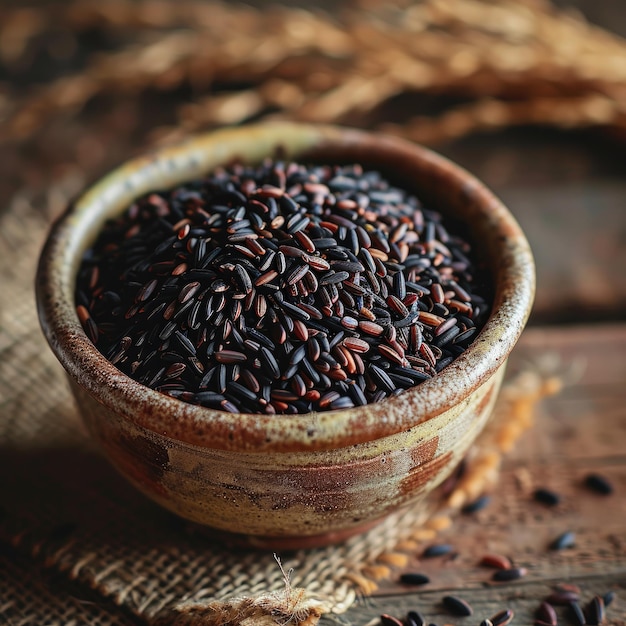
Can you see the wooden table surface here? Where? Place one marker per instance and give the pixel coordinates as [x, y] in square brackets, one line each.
[579, 431]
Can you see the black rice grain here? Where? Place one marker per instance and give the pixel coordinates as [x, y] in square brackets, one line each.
[562, 597]
[599, 484]
[577, 614]
[503, 618]
[476, 505]
[457, 606]
[509, 575]
[415, 618]
[595, 611]
[301, 280]
[414, 578]
[563, 541]
[608, 598]
[546, 496]
[438, 549]
[547, 614]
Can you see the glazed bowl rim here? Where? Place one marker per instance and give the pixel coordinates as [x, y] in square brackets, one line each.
[204, 427]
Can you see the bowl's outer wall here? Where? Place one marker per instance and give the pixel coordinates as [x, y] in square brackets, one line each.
[290, 494]
[274, 474]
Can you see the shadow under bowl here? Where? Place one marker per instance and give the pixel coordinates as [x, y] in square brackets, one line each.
[288, 481]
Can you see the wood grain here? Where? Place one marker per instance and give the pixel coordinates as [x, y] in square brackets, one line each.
[581, 430]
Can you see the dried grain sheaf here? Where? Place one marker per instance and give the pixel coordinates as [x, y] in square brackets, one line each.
[522, 62]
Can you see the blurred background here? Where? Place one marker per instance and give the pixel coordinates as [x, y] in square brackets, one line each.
[529, 95]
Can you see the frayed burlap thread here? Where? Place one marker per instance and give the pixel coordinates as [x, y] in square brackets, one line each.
[290, 605]
[67, 508]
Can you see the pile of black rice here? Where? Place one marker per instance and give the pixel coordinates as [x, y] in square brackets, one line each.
[281, 288]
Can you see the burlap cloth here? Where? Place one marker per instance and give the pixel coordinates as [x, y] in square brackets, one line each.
[65, 510]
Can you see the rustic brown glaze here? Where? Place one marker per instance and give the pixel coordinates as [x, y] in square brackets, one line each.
[321, 476]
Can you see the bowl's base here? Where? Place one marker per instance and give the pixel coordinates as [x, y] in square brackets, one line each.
[276, 542]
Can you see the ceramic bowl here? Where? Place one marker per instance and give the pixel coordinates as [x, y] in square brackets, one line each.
[289, 480]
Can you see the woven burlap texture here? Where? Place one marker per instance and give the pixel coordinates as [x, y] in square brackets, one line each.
[67, 508]
[29, 597]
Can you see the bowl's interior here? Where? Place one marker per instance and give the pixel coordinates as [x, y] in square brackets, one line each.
[438, 182]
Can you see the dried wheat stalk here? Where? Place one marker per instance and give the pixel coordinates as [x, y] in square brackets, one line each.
[309, 66]
[516, 61]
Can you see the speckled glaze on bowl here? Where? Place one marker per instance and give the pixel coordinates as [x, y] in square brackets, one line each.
[289, 481]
